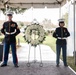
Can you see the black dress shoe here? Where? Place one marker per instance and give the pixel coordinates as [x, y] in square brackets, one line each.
[3, 65]
[66, 65]
[16, 65]
[57, 65]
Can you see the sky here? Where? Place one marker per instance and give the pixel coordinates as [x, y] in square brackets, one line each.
[39, 14]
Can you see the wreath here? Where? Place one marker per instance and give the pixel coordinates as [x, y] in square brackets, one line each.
[34, 34]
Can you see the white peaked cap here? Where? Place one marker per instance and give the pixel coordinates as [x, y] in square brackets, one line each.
[9, 12]
[61, 20]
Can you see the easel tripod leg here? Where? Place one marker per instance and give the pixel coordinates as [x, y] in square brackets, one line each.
[41, 64]
[28, 64]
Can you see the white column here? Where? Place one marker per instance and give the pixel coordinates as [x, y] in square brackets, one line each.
[5, 12]
[60, 12]
[32, 8]
[0, 12]
[74, 32]
[70, 40]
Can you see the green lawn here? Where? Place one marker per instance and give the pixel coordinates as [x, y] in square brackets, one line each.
[70, 61]
[21, 38]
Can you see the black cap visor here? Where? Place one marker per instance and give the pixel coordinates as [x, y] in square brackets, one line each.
[61, 22]
[9, 14]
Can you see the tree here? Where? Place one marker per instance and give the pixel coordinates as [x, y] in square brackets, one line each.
[16, 10]
[48, 24]
[21, 24]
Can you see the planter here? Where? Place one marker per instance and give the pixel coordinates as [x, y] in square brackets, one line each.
[1, 52]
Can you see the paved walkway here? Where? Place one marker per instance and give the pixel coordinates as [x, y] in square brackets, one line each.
[49, 65]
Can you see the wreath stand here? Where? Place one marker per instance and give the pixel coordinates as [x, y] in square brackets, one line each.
[34, 30]
[28, 64]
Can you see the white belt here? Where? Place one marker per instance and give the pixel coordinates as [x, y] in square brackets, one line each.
[11, 32]
[61, 38]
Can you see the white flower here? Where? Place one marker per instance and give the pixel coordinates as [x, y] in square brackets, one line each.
[34, 34]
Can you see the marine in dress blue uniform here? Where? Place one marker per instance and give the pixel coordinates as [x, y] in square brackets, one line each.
[61, 33]
[10, 30]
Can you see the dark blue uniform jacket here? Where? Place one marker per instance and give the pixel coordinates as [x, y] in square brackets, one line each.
[61, 32]
[10, 27]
